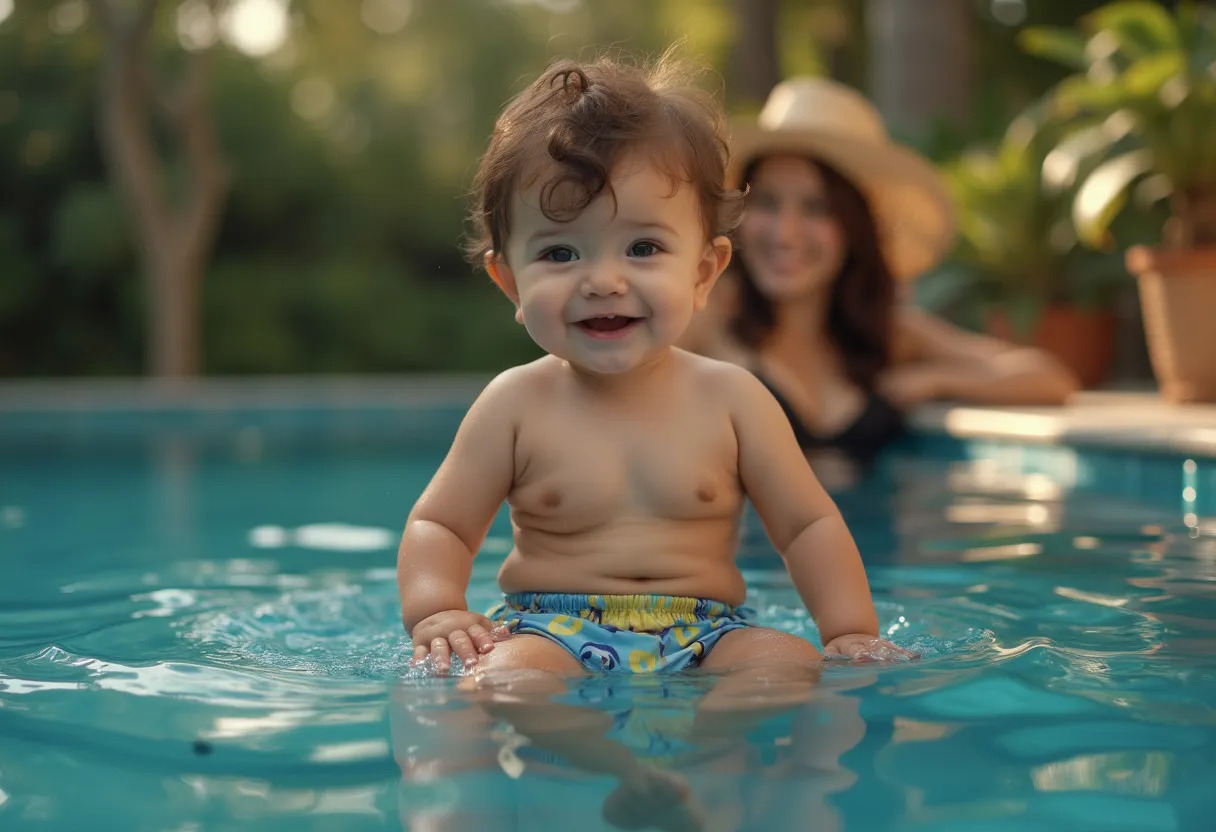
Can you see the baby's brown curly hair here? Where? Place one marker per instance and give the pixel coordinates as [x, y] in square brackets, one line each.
[581, 118]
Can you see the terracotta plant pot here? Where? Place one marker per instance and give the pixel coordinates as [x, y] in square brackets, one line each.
[1178, 300]
[1082, 339]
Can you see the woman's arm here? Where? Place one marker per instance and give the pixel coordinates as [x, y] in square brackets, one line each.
[936, 360]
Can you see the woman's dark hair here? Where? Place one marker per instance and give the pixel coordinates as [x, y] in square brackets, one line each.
[861, 306]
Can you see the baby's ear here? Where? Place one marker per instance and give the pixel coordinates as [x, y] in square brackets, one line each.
[504, 278]
[713, 262]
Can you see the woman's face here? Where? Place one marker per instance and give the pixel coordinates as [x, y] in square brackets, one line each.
[789, 240]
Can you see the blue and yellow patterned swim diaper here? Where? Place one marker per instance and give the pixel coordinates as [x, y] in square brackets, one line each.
[624, 633]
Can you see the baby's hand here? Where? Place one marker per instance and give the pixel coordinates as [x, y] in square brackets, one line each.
[464, 633]
[866, 648]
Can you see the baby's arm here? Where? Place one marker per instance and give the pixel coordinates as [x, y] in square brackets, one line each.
[449, 523]
[801, 519]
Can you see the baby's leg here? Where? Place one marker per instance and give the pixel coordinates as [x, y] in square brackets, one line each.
[752, 646]
[529, 652]
[439, 737]
[518, 681]
[764, 673]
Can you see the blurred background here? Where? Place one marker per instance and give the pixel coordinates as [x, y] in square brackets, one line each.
[278, 186]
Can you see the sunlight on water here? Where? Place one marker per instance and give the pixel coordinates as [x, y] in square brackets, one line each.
[215, 637]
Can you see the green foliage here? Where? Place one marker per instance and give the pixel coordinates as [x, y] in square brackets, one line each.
[1148, 77]
[1017, 249]
[351, 152]
[90, 236]
[1006, 79]
[68, 294]
[20, 271]
[1056, 43]
[344, 312]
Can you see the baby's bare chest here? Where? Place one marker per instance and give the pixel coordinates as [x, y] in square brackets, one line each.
[675, 469]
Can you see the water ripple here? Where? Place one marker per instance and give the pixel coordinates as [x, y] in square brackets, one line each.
[1066, 679]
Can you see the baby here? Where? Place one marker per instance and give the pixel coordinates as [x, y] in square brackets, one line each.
[601, 214]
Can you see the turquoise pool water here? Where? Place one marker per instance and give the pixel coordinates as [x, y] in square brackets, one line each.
[199, 630]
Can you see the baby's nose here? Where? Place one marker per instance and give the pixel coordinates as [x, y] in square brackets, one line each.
[604, 280]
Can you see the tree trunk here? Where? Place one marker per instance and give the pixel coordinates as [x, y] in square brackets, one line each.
[755, 66]
[920, 62]
[173, 281]
[174, 238]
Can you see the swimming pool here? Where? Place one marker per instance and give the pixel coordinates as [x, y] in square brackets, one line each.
[199, 630]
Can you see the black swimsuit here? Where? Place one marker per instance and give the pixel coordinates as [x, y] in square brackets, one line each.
[878, 424]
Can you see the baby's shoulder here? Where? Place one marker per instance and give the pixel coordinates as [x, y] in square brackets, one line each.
[526, 378]
[513, 391]
[727, 388]
[719, 378]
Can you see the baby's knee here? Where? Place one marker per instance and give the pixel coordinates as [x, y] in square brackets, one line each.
[773, 647]
[528, 653]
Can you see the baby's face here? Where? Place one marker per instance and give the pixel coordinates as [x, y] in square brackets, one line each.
[612, 289]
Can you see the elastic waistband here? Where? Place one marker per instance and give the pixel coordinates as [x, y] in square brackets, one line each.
[634, 612]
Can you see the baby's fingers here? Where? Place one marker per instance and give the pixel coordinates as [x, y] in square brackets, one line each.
[442, 653]
[462, 644]
[483, 638]
[885, 651]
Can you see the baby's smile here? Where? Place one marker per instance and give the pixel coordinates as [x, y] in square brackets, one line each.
[607, 327]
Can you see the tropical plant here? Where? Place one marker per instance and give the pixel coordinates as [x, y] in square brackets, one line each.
[1017, 250]
[1144, 96]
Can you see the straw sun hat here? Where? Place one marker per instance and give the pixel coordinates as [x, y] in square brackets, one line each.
[806, 116]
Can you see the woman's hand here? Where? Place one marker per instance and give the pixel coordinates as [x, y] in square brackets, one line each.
[863, 647]
[464, 633]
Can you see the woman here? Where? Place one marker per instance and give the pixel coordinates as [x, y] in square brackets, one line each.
[836, 215]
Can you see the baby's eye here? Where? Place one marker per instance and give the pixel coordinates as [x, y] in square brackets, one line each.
[644, 248]
[559, 254]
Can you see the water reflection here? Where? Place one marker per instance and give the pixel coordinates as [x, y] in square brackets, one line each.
[175, 460]
[1063, 604]
[517, 749]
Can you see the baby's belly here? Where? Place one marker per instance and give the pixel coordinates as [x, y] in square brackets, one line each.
[642, 557]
